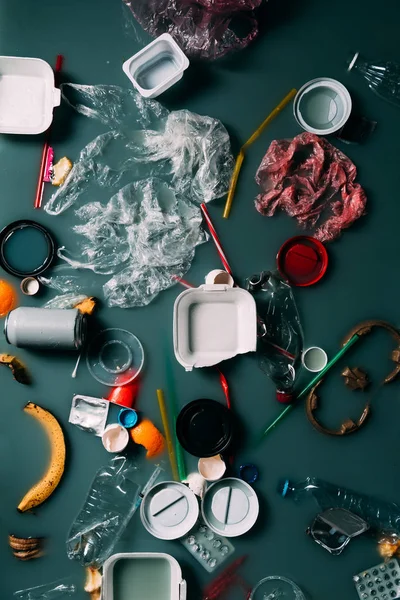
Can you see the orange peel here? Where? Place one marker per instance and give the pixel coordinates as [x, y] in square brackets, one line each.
[146, 434]
[8, 297]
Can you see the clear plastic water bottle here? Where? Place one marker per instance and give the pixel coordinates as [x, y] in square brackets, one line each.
[383, 77]
[381, 516]
[112, 500]
[280, 336]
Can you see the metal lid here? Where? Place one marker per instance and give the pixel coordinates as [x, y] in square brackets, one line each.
[230, 507]
[204, 428]
[169, 510]
[302, 260]
[322, 106]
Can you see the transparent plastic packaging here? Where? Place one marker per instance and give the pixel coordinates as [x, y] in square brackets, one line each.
[145, 235]
[204, 28]
[381, 516]
[280, 335]
[65, 300]
[383, 77]
[112, 500]
[55, 590]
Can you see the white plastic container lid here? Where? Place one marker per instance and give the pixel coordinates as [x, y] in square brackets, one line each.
[27, 95]
[322, 106]
[213, 323]
[155, 567]
[169, 510]
[230, 507]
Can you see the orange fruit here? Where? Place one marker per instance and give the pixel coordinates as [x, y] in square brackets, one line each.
[8, 297]
[146, 434]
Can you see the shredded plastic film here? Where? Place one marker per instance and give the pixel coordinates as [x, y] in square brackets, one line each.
[62, 588]
[145, 235]
[307, 177]
[205, 29]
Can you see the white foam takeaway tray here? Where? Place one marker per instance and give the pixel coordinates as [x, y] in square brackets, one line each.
[213, 323]
[27, 95]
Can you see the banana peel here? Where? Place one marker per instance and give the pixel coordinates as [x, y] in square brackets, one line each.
[51, 478]
[93, 583]
[17, 367]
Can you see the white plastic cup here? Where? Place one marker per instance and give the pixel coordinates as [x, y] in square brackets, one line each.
[314, 359]
[115, 438]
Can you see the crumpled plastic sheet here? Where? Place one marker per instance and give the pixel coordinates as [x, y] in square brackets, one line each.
[55, 590]
[308, 177]
[145, 234]
[202, 28]
[65, 300]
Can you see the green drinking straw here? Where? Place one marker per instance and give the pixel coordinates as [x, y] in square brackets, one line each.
[313, 382]
[173, 409]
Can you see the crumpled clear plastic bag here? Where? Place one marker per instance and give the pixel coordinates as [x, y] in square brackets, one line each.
[307, 177]
[202, 28]
[62, 588]
[146, 233]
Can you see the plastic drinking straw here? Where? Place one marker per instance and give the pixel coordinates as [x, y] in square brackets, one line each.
[174, 411]
[252, 138]
[167, 431]
[313, 382]
[215, 237]
[40, 183]
[183, 282]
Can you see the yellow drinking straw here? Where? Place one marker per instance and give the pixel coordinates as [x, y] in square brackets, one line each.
[252, 138]
[167, 431]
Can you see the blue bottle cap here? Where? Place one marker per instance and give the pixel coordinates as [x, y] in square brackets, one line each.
[127, 417]
[248, 472]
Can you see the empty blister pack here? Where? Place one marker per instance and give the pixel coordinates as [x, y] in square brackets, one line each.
[209, 548]
[381, 582]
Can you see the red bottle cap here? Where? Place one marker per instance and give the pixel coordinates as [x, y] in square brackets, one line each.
[302, 260]
[284, 397]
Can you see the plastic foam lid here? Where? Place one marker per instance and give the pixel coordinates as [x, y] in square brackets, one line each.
[169, 510]
[230, 507]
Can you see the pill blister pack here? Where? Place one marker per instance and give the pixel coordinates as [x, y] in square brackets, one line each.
[379, 583]
[209, 548]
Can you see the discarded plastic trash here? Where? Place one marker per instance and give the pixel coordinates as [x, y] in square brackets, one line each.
[115, 438]
[230, 507]
[26, 248]
[219, 586]
[275, 587]
[248, 472]
[124, 394]
[168, 434]
[381, 516]
[89, 413]
[302, 260]
[213, 323]
[45, 328]
[334, 528]
[383, 77]
[280, 336]
[29, 286]
[112, 499]
[144, 236]
[306, 177]
[149, 575]
[27, 95]
[127, 417]
[381, 582]
[204, 29]
[62, 588]
[156, 67]
[169, 510]
[322, 106]
[209, 549]
[314, 359]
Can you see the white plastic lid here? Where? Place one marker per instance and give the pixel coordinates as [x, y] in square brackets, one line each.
[169, 510]
[322, 106]
[230, 507]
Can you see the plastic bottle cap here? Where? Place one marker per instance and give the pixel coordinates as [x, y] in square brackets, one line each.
[284, 487]
[314, 359]
[127, 417]
[284, 397]
[169, 510]
[230, 507]
[204, 428]
[302, 260]
[248, 472]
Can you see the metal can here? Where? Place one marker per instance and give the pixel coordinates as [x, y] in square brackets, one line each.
[46, 328]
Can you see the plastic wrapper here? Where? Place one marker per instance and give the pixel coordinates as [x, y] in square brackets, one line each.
[89, 413]
[202, 28]
[50, 591]
[308, 178]
[144, 236]
[65, 300]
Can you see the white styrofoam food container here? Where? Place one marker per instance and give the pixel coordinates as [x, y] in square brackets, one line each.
[27, 95]
[156, 67]
[177, 587]
[213, 323]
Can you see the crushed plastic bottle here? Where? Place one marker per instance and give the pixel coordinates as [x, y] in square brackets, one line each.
[55, 590]
[383, 77]
[112, 500]
[381, 516]
[280, 336]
